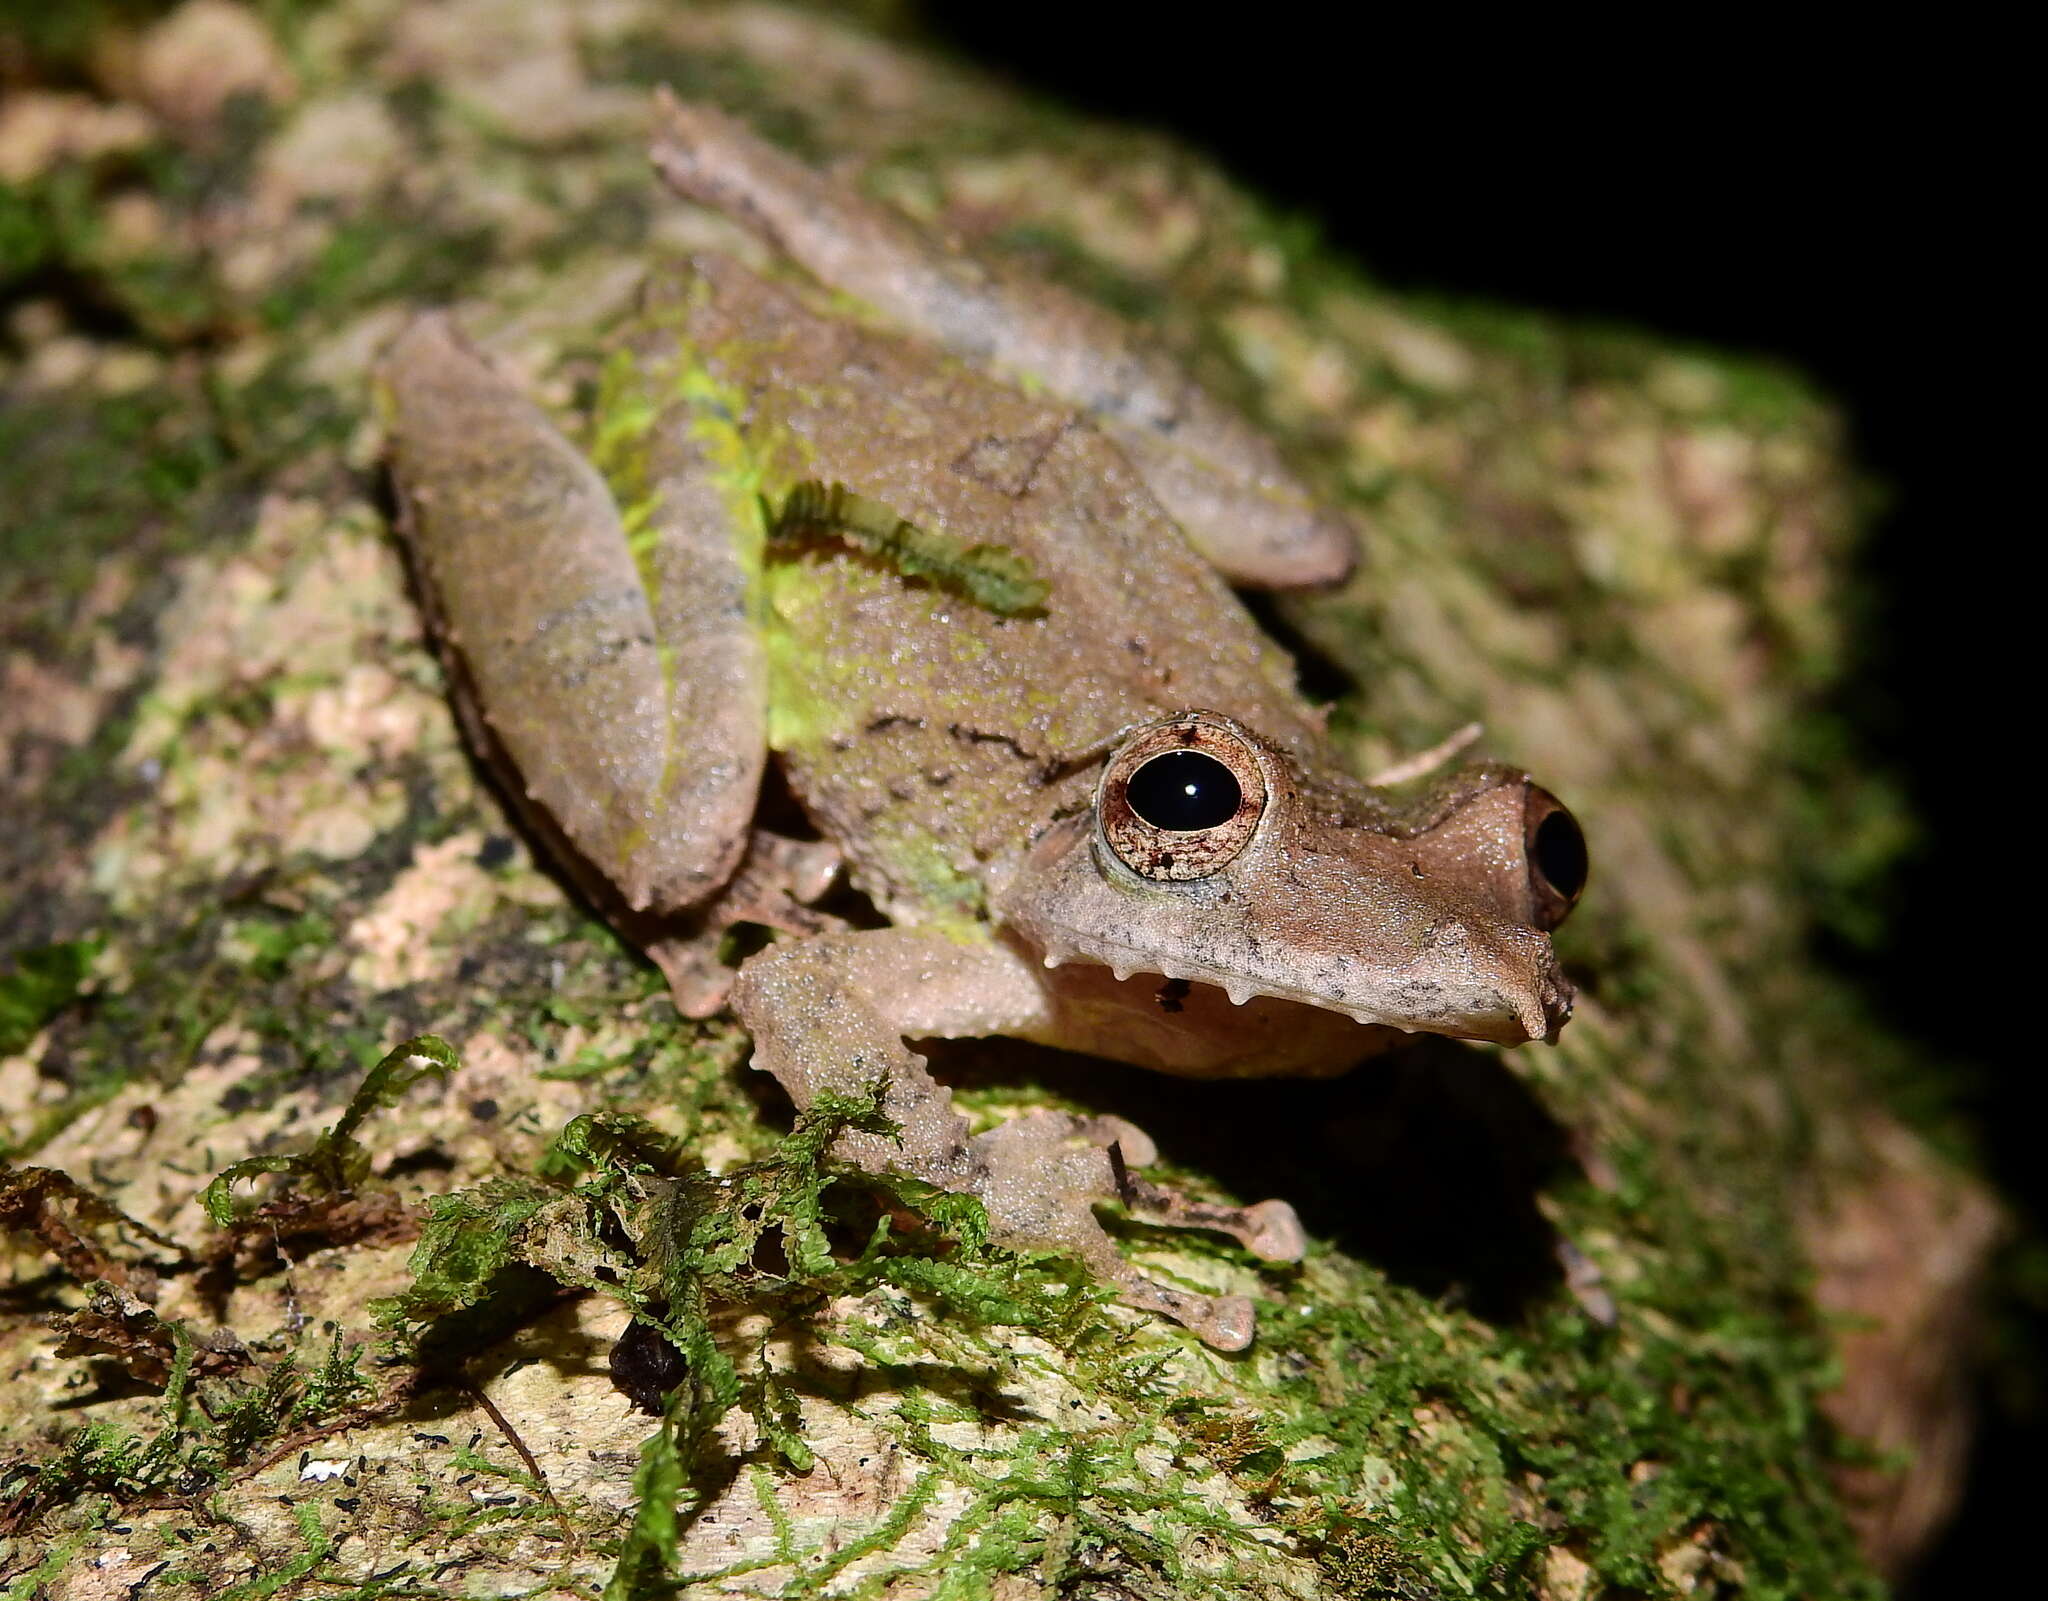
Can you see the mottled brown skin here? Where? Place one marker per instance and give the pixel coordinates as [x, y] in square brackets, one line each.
[1222, 480]
[973, 768]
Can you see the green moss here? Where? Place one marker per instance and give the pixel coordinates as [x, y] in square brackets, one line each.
[33, 1583]
[467, 1242]
[1406, 1447]
[648, 1554]
[153, 1024]
[642, 1226]
[39, 221]
[319, 1545]
[1751, 392]
[60, 41]
[38, 984]
[651, 58]
[84, 475]
[336, 1162]
[992, 577]
[380, 256]
[1063, 260]
[199, 1439]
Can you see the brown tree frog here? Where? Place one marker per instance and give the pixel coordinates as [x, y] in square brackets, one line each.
[954, 550]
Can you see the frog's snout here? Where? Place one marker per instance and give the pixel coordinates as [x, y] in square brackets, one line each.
[1548, 1000]
[1546, 1010]
[1520, 970]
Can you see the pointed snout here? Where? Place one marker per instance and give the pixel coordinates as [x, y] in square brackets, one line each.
[1370, 939]
[1533, 997]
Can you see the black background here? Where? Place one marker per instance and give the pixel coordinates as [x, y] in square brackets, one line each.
[1845, 202]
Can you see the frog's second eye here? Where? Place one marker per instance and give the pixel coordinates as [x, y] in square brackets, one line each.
[1181, 798]
[1556, 851]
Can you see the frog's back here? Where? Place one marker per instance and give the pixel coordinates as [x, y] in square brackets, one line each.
[914, 722]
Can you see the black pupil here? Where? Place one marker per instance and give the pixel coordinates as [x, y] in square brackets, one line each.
[1559, 850]
[1184, 791]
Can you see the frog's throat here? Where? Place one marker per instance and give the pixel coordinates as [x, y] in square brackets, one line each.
[1123, 961]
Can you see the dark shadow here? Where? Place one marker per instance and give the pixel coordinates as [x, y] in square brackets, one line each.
[1322, 678]
[1426, 1163]
[110, 1382]
[37, 1295]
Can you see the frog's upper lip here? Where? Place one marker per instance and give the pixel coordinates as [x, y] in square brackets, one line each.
[1538, 1019]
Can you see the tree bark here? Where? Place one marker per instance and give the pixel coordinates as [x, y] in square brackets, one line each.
[247, 854]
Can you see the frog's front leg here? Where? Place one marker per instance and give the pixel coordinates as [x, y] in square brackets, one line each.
[831, 1014]
[776, 884]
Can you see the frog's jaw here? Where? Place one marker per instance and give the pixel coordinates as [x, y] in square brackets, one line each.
[1463, 985]
[1344, 926]
[1463, 1001]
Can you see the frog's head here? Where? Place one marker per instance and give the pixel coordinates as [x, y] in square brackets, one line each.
[1209, 854]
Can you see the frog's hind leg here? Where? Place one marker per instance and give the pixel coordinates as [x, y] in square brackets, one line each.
[831, 1014]
[623, 683]
[1220, 478]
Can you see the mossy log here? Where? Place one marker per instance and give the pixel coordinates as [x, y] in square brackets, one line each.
[245, 854]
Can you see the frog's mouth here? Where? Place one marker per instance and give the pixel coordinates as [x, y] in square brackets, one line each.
[1483, 1005]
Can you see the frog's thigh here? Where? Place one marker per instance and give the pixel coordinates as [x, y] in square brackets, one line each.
[831, 1014]
[1255, 524]
[651, 772]
[1220, 478]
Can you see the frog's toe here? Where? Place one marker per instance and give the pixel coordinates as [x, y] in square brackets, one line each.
[800, 870]
[1276, 1234]
[698, 981]
[1132, 1145]
[1270, 1230]
[1226, 1322]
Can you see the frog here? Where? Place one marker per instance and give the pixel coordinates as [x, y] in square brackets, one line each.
[885, 601]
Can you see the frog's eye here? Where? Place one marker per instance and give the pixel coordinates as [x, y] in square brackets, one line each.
[1555, 850]
[1184, 792]
[1181, 798]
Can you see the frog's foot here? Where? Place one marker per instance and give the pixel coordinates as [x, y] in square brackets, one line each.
[1040, 1176]
[797, 869]
[699, 982]
[774, 885]
[1269, 1230]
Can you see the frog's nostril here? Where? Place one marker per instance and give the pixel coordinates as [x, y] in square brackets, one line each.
[1558, 996]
